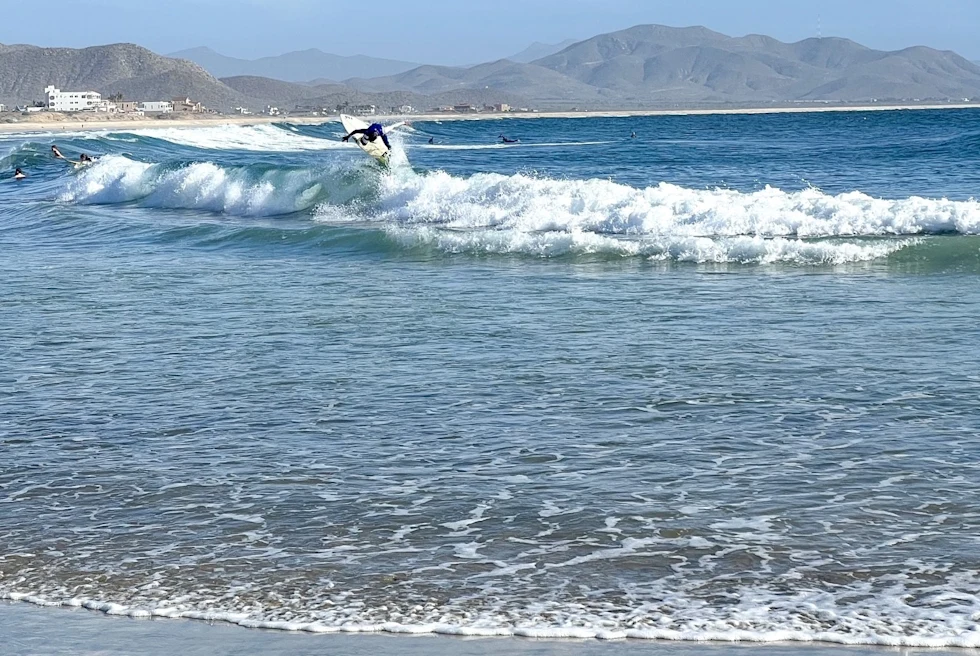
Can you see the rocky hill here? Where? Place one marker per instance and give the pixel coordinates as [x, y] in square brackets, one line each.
[657, 63]
[136, 72]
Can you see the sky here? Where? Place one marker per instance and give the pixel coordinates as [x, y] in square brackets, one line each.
[470, 31]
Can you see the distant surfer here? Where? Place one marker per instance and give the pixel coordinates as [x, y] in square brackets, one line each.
[432, 140]
[371, 133]
[19, 175]
[57, 153]
[85, 159]
[509, 140]
[633, 135]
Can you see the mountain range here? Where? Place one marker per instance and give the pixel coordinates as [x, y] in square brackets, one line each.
[317, 67]
[653, 65]
[642, 67]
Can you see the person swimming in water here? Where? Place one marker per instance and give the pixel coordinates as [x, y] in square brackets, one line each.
[19, 175]
[509, 140]
[371, 133]
[57, 153]
[85, 159]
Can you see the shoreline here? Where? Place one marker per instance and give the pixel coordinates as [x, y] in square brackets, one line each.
[89, 124]
[49, 630]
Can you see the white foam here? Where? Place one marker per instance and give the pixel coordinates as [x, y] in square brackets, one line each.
[756, 621]
[491, 213]
[534, 204]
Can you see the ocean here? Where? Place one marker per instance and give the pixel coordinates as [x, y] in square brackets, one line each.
[717, 382]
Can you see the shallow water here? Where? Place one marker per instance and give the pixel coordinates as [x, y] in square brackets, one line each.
[717, 382]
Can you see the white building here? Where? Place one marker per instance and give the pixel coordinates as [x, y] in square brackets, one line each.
[3, 107]
[71, 101]
[161, 107]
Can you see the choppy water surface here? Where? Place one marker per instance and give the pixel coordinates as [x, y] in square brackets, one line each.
[718, 382]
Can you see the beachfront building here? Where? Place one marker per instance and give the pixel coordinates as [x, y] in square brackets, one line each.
[187, 105]
[3, 107]
[128, 106]
[72, 101]
[104, 106]
[364, 110]
[157, 107]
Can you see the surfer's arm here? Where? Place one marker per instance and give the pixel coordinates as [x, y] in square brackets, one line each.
[362, 131]
[384, 137]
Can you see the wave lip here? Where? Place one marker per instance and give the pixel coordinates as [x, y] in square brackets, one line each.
[259, 138]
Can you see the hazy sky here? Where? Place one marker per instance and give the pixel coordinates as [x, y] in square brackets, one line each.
[469, 31]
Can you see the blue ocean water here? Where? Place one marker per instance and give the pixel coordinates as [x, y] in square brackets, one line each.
[716, 382]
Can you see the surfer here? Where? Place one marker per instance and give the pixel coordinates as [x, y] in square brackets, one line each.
[57, 153]
[633, 135]
[85, 159]
[508, 140]
[371, 133]
[19, 175]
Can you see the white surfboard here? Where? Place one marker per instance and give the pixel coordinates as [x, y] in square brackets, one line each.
[375, 149]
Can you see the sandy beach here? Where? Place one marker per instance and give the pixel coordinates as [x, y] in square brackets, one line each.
[48, 123]
[27, 629]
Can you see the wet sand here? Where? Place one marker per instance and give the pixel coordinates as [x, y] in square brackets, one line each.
[31, 630]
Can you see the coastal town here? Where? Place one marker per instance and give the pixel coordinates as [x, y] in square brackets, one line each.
[94, 103]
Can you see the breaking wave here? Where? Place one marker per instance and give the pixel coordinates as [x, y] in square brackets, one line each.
[258, 190]
[539, 216]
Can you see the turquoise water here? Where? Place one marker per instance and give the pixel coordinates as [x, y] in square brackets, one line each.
[717, 382]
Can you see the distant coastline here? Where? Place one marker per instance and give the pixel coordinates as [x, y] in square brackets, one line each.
[46, 122]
